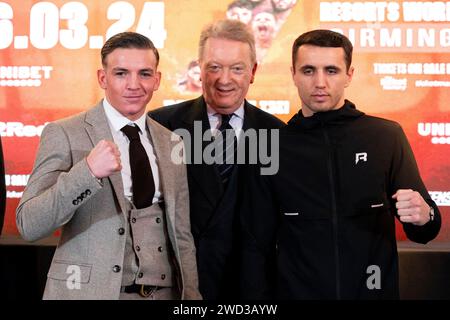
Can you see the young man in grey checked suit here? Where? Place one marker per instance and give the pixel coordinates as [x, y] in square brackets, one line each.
[122, 238]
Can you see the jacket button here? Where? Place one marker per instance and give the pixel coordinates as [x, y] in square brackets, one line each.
[140, 275]
[133, 220]
[75, 202]
[121, 231]
[80, 198]
[138, 248]
[116, 268]
[88, 192]
[163, 276]
[158, 220]
[160, 249]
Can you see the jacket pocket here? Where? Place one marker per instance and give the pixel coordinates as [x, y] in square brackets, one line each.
[62, 270]
[375, 205]
[304, 213]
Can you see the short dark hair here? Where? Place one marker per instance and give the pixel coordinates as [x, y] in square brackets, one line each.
[324, 38]
[240, 4]
[127, 40]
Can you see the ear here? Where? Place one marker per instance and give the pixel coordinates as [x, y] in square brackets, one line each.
[158, 80]
[349, 76]
[292, 71]
[255, 66]
[101, 78]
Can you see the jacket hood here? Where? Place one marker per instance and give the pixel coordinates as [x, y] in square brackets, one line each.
[344, 114]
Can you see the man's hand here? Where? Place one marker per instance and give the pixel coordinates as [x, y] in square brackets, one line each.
[104, 159]
[411, 207]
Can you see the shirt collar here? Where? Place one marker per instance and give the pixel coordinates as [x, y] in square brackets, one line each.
[118, 121]
[239, 112]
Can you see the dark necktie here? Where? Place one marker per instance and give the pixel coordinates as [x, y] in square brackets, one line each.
[143, 185]
[229, 149]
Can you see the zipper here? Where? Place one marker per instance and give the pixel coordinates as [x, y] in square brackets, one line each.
[333, 210]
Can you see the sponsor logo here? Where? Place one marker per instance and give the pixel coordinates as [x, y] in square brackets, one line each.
[391, 83]
[361, 156]
[442, 198]
[438, 131]
[24, 76]
[275, 106]
[18, 129]
[16, 180]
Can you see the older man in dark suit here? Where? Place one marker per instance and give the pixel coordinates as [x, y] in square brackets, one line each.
[228, 64]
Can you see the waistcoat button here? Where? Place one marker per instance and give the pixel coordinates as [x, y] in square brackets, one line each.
[116, 268]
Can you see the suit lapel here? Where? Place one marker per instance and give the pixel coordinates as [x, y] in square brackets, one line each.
[162, 151]
[206, 176]
[98, 129]
[249, 116]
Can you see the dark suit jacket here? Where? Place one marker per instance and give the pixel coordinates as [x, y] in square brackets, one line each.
[2, 188]
[214, 223]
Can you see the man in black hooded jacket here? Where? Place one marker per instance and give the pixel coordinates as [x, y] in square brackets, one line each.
[327, 218]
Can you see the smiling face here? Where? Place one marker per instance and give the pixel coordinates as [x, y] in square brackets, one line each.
[320, 75]
[129, 79]
[227, 72]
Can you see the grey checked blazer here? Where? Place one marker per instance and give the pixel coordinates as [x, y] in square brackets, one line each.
[61, 192]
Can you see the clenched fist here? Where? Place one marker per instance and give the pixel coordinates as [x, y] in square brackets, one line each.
[104, 159]
[411, 207]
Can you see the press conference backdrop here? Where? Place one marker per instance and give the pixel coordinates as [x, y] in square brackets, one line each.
[49, 54]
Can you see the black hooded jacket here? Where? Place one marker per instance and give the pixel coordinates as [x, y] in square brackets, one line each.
[329, 210]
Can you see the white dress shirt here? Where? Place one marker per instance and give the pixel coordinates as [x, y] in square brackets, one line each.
[116, 122]
[236, 122]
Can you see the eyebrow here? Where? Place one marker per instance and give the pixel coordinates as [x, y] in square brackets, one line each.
[217, 62]
[125, 69]
[308, 66]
